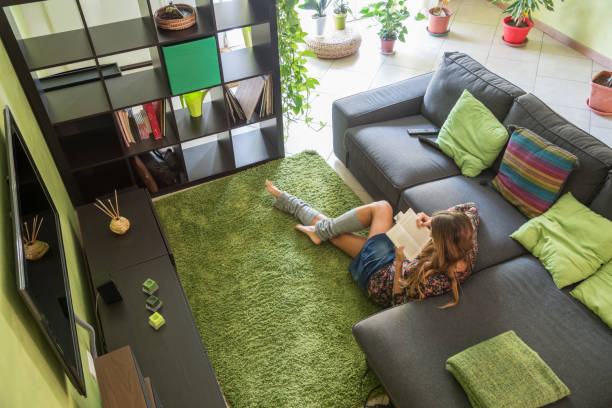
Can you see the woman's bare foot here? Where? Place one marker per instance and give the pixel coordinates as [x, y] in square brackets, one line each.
[272, 189]
[310, 231]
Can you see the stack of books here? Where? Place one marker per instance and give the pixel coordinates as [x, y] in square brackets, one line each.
[251, 95]
[266, 107]
[142, 122]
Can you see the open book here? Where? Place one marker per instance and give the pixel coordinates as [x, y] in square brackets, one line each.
[406, 233]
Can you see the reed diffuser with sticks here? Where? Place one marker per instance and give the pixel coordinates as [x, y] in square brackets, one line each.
[118, 224]
[34, 249]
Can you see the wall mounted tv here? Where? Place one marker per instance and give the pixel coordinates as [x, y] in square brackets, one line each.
[42, 283]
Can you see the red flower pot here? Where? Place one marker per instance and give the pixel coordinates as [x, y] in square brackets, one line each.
[516, 35]
[600, 100]
[438, 24]
[386, 46]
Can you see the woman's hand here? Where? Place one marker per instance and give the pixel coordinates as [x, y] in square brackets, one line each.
[460, 266]
[423, 220]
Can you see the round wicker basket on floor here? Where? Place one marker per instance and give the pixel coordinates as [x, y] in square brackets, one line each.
[336, 44]
[175, 24]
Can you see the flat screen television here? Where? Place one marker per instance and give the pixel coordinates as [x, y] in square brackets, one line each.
[42, 283]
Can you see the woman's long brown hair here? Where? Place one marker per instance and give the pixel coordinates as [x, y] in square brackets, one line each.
[451, 233]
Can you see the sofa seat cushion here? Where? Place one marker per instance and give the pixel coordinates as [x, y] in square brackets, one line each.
[498, 218]
[458, 72]
[594, 157]
[407, 346]
[384, 158]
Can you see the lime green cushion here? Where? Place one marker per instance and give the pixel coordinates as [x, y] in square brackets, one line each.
[471, 135]
[570, 240]
[503, 371]
[596, 293]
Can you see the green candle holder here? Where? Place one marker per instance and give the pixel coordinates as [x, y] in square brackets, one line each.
[156, 321]
[149, 286]
[153, 303]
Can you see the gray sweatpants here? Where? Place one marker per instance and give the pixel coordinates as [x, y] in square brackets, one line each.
[326, 228]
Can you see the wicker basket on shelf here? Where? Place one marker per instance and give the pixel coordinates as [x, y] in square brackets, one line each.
[175, 24]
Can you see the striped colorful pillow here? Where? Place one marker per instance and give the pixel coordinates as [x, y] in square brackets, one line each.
[532, 172]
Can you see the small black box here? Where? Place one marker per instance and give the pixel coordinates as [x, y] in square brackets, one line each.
[109, 292]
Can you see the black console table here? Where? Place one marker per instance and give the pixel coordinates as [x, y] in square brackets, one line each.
[174, 357]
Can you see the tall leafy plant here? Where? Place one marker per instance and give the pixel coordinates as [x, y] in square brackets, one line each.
[519, 10]
[341, 7]
[390, 14]
[319, 6]
[296, 85]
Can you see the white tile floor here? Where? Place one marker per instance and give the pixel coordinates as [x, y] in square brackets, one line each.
[555, 73]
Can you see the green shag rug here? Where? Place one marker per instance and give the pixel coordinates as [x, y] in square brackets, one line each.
[275, 311]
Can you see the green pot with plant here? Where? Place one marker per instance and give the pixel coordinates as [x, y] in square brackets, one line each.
[439, 17]
[519, 21]
[319, 7]
[390, 15]
[341, 10]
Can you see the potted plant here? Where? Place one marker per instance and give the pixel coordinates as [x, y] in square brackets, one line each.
[341, 9]
[600, 100]
[390, 14]
[439, 17]
[519, 22]
[319, 7]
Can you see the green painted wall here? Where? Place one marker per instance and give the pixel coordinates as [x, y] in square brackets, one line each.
[30, 375]
[585, 21]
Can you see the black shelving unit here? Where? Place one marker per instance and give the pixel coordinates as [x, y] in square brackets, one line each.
[78, 122]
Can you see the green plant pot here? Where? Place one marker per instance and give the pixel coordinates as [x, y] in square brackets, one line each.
[340, 21]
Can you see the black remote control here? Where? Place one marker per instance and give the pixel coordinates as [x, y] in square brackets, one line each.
[423, 131]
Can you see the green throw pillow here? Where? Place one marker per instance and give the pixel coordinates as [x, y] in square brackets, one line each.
[596, 293]
[472, 136]
[570, 240]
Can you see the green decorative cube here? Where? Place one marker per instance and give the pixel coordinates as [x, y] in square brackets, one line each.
[153, 303]
[192, 65]
[156, 320]
[149, 286]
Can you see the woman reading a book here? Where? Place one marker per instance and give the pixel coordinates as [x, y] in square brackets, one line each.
[380, 268]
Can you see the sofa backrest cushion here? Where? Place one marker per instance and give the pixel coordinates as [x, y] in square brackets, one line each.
[594, 157]
[602, 204]
[457, 72]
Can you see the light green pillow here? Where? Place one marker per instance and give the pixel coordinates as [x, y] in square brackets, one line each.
[472, 136]
[596, 293]
[570, 240]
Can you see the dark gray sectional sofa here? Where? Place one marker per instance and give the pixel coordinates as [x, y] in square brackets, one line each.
[407, 346]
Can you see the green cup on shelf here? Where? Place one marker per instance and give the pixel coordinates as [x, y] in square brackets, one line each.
[194, 102]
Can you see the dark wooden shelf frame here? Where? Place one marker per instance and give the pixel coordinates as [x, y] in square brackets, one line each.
[62, 107]
[213, 120]
[255, 146]
[123, 36]
[76, 102]
[137, 88]
[210, 157]
[248, 62]
[48, 51]
[240, 13]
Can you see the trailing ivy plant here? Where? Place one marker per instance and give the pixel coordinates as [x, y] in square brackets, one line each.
[296, 85]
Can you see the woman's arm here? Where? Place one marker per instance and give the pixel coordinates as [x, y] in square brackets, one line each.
[399, 261]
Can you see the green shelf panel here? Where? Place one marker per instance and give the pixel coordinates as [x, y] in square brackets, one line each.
[192, 65]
